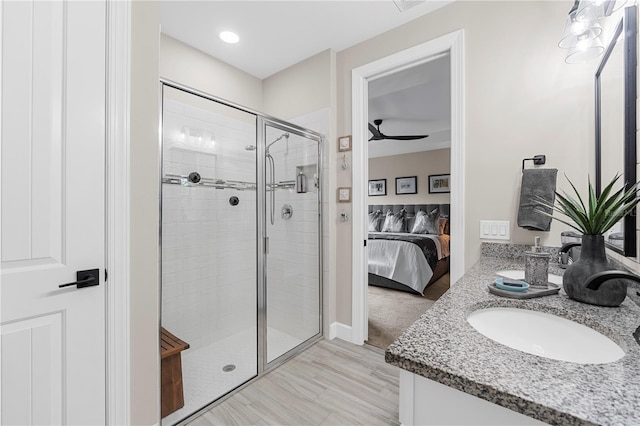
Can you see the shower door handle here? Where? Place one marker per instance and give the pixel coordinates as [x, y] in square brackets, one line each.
[266, 245]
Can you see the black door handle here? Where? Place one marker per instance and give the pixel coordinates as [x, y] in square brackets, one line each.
[84, 279]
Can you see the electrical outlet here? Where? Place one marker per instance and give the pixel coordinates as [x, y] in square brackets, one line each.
[495, 230]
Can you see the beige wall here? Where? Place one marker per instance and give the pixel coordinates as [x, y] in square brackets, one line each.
[186, 65]
[521, 99]
[300, 89]
[420, 164]
[144, 278]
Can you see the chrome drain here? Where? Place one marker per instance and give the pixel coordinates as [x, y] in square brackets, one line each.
[229, 367]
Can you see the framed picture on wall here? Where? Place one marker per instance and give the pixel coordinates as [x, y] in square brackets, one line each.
[439, 184]
[407, 185]
[377, 187]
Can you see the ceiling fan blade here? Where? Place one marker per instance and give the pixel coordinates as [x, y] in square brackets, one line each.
[376, 133]
[406, 137]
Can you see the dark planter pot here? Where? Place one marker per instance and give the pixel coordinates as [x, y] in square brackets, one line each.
[592, 260]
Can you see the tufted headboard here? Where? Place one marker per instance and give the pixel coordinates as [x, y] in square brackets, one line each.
[412, 209]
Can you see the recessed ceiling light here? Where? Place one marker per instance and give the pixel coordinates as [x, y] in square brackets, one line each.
[229, 37]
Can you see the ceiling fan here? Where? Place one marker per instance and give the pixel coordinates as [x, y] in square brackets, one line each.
[378, 135]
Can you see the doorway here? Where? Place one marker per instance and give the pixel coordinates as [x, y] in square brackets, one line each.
[452, 43]
[409, 146]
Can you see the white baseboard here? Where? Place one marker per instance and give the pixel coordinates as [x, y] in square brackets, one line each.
[341, 331]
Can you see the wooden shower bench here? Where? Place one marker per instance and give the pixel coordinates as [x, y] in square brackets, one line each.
[171, 372]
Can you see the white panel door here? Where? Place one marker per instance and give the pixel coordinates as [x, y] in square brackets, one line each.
[52, 205]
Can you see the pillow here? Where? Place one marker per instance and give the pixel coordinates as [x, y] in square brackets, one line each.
[395, 222]
[443, 226]
[374, 221]
[426, 223]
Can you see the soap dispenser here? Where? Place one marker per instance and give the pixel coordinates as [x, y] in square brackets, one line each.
[536, 266]
[301, 183]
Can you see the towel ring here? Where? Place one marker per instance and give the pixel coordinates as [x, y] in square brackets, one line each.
[537, 160]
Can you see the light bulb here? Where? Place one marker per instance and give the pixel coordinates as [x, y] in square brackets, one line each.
[578, 27]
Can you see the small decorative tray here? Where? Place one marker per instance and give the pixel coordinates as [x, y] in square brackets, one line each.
[529, 294]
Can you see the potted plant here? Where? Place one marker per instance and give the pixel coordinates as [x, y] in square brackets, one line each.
[593, 219]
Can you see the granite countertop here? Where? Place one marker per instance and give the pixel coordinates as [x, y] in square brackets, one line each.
[442, 346]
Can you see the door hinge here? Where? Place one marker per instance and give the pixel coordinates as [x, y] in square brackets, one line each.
[365, 243]
[105, 275]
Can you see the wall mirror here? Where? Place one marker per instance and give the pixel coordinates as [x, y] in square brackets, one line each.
[615, 105]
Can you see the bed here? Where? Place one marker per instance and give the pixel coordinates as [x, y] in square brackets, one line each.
[404, 260]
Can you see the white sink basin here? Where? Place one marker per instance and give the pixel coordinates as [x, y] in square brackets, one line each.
[519, 275]
[545, 335]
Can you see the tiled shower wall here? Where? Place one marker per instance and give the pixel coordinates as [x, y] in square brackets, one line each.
[293, 291]
[208, 246]
[319, 121]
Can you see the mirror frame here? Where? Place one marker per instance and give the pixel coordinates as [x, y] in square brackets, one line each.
[628, 27]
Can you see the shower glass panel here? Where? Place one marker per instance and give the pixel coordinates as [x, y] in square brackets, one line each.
[292, 227]
[209, 247]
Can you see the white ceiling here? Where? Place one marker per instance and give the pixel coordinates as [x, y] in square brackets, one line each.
[277, 34]
[415, 101]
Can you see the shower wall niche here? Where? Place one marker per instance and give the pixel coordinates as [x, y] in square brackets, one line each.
[241, 291]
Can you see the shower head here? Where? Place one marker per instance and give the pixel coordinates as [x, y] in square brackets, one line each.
[284, 135]
[250, 147]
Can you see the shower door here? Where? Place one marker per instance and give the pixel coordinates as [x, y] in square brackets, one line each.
[241, 247]
[209, 248]
[292, 232]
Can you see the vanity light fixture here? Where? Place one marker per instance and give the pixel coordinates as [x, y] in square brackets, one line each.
[588, 10]
[583, 28]
[576, 31]
[229, 37]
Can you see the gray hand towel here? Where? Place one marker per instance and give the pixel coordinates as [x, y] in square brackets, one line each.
[536, 183]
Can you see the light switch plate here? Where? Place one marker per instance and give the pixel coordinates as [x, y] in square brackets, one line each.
[495, 230]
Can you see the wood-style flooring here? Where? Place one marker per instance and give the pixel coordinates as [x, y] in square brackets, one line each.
[331, 383]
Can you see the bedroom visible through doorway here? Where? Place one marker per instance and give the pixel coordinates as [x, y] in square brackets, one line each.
[408, 195]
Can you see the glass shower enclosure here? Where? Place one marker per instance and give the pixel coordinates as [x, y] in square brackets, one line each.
[241, 236]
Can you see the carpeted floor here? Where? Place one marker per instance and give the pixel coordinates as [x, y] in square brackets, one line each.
[392, 311]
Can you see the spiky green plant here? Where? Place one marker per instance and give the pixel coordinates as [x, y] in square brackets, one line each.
[600, 213]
